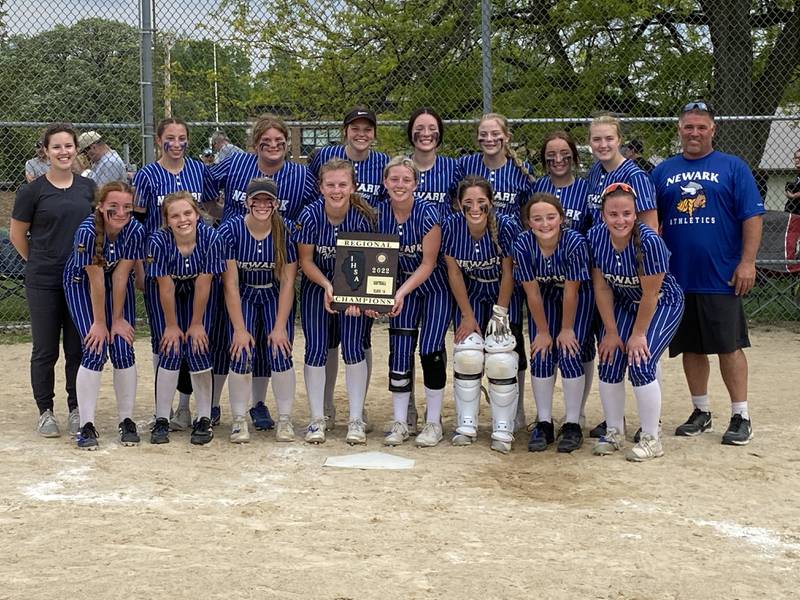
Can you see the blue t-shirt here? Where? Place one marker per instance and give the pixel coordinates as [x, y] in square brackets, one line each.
[702, 204]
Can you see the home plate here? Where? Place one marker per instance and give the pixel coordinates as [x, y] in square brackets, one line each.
[369, 460]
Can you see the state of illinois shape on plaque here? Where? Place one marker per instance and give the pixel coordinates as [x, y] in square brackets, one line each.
[366, 271]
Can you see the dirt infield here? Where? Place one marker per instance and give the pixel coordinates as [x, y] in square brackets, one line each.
[269, 521]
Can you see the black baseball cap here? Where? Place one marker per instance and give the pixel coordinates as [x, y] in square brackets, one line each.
[360, 112]
[262, 185]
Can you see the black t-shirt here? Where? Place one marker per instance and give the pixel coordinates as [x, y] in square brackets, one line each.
[54, 215]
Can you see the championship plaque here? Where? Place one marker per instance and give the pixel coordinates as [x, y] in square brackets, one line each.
[366, 271]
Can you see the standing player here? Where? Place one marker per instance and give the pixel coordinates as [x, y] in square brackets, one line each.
[423, 305]
[478, 249]
[259, 293]
[184, 257]
[297, 188]
[98, 284]
[711, 214]
[358, 135]
[174, 171]
[340, 210]
[640, 305]
[552, 262]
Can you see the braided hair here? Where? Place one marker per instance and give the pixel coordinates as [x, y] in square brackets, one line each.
[471, 181]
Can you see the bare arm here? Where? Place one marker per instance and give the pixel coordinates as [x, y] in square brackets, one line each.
[543, 341]
[119, 289]
[468, 323]
[744, 277]
[98, 332]
[279, 336]
[506, 281]
[242, 340]
[604, 298]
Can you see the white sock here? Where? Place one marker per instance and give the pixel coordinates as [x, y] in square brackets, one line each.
[520, 418]
[612, 397]
[202, 383]
[588, 373]
[239, 388]
[331, 372]
[259, 390]
[166, 384]
[702, 403]
[125, 391]
[543, 397]
[737, 408]
[183, 401]
[315, 389]
[648, 400]
[87, 388]
[433, 405]
[356, 379]
[573, 397]
[219, 384]
[400, 405]
[283, 386]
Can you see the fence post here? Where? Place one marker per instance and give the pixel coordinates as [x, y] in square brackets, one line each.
[146, 78]
[486, 53]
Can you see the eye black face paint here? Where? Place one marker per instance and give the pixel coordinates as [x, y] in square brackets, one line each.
[264, 146]
[434, 135]
[560, 160]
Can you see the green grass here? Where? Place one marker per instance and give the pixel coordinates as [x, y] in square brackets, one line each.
[776, 298]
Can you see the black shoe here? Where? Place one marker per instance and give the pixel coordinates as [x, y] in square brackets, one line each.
[159, 434]
[128, 436]
[87, 437]
[698, 422]
[216, 413]
[202, 432]
[598, 431]
[571, 437]
[739, 432]
[542, 436]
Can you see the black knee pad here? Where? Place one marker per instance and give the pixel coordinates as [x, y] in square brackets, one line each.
[184, 379]
[434, 370]
[519, 348]
[395, 387]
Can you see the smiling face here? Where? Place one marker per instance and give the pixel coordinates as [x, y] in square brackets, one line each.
[116, 208]
[262, 206]
[425, 133]
[604, 141]
[545, 221]
[475, 205]
[619, 215]
[696, 130]
[173, 141]
[558, 157]
[492, 137]
[61, 151]
[182, 218]
[336, 187]
[400, 183]
[271, 146]
[359, 135]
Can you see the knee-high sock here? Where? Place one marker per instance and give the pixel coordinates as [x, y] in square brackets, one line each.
[543, 397]
[219, 384]
[202, 384]
[315, 389]
[283, 386]
[573, 396]
[331, 372]
[588, 373]
[433, 402]
[125, 391]
[87, 386]
[356, 379]
[612, 397]
[400, 405]
[166, 384]
[648, 400]
[259, 390]
[239, 389]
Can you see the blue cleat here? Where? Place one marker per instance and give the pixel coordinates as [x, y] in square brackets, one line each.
[262, 421]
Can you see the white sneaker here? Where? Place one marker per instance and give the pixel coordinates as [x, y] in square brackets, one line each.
[47, 425]
[430, 436]
[240, 434]
[284, 431]
[397, 435]
[315, 433]
[181, 420]
[648, 447]
[356, 432]
[74, 422]
[611, 442]
[501, 441]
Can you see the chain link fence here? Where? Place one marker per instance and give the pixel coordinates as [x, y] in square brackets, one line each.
[116, 68]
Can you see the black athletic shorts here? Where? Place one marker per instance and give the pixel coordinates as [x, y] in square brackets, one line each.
[711, 324]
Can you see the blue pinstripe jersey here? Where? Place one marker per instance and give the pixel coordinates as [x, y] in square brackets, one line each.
[153, 182]
[438, 185]
[511, 186]
[163, 257]
[424, 217]
[129, 245]
[572, 197]
[254, 258]
[369, 172]
[313, 227]
[619, 268]
[628, 172]
[569, 261]
[296, 185]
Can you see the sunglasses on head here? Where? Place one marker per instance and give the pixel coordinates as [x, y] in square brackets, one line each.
[618, 187]
[698, 105]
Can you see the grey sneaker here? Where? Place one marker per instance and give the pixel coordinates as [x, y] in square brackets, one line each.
[356, 432]
[48, 426]
[430, 436]
[647, 448]
[181, 420]
[397, 435]
[609, 443]
[284, 431]
[74, 422]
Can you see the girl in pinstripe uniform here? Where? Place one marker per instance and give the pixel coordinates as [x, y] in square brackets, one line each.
[641, 306]
[98, 285]
[552, 262]
[183, 257]
[341, 209]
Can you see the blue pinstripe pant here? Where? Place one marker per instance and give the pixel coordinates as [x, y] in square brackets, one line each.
[259, 309]
[316, 328]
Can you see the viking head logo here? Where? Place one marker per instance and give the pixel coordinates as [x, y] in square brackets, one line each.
[693, 197]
